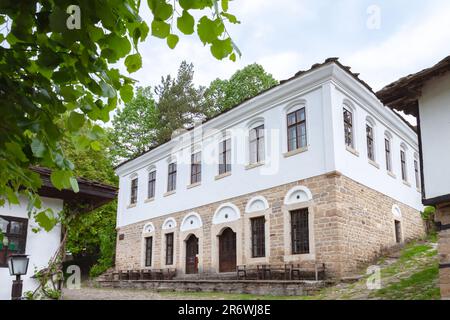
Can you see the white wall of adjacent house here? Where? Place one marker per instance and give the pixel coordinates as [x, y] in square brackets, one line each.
[434, 107]
[323, 94]
[40, 246]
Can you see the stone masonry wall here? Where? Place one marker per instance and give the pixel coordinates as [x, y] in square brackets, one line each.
[366, 223]
[351, 225]
[443, 218]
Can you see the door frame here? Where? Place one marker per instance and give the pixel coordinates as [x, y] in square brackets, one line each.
[196, 256]
[235, 248]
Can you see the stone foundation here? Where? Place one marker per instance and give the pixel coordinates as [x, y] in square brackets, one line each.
[443, 220]
[349, 225]
[273, 288]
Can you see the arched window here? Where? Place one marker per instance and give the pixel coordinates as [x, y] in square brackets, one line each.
[169, 223]
[256, 204]
[148, 228]
[227, 212]
[298, 194]
[191, 221]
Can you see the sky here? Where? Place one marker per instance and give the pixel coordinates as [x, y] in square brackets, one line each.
[382, 40]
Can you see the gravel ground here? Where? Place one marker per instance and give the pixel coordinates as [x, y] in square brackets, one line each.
[114, 294]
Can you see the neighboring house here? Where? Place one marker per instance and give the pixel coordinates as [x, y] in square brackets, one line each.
[314, 170]
[426, 95]
[42, 246]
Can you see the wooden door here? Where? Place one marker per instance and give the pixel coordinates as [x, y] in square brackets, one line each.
[227, 251]
[191, 255]
[398, 232]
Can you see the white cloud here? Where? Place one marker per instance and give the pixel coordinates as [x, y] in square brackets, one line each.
[282, 65]
[415, 46]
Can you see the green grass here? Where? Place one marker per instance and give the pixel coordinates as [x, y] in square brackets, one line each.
[419, 286]
[412, 251]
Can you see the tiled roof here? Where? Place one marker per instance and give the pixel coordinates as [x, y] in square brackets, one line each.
[403, 94]
[297, 75]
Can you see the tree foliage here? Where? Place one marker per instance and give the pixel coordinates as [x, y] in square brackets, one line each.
[246, 83]
[56, 57]
[179, 102]
[93, 233]
[135, 126]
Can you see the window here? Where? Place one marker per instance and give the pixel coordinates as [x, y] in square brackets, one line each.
[257, 144]
[300, 231]
[387, 149]
[172, 177]
[134, 191]
[296, 129]
[370, 143]
[416, 172]
[151, 184]
[258, 237]
[14, 237]
[196, 167]
[148, 251]
[225, 156]
[403, 162]
[169, 248]
[348, 128]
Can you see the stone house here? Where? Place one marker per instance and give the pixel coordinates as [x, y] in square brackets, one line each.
[314, 170]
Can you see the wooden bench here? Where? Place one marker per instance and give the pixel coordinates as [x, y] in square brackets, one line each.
[279, 271]
[296, 271]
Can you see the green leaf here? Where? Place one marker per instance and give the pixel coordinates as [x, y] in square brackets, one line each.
[221, 48]
[133, 62]
[172, 41]
[61, 179]
[107, 90]
[12, 196]
[96, 146]
[126, 93]
[224, 5]
[38, 148]
[161, 9]
[209, 30]
[185, 23]
[15, 149]
[195, 4]
[46, 219]
[74, 185]
[119, 45]
[232, 18]
[233, 57]
[76, 121]
[160, 29]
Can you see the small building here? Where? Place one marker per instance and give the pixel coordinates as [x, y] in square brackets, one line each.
[426, 95]
[17, 227]
[315, 170]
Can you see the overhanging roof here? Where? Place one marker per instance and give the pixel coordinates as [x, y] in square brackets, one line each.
[404, 93]
[92, 194]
